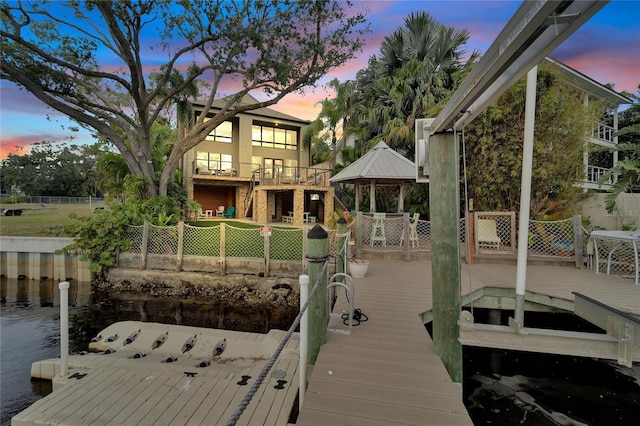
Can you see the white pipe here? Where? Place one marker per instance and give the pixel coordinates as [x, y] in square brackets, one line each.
[525, 193]
[64, 327]
[303, 280]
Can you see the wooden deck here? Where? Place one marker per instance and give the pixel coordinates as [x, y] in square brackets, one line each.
[387, 372]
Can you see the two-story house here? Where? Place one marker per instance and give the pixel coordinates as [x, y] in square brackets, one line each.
[255, 166]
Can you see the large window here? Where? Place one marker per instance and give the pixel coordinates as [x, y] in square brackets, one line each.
[213, 161]
[222, 133]
[269, 136]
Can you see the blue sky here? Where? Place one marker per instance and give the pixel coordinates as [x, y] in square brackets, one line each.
[606, 48]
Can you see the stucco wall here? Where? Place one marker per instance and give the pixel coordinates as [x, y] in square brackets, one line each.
[628, 212]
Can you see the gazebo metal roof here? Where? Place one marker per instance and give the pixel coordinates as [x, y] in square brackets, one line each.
[381, 163]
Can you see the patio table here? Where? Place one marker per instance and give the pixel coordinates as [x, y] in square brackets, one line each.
[619, 237]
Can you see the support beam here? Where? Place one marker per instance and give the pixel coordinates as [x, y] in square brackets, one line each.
[444, 204]
[525, 194]
[591, 345]
[372, 196]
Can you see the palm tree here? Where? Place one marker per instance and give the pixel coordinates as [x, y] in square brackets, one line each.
[418, 69]
[335, 113]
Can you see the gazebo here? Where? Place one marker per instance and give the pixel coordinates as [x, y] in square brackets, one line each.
[380, 166]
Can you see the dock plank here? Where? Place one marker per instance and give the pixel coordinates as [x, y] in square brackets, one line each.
[385, 352]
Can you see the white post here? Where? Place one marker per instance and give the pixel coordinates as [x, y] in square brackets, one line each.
[304, 342]
[64, 327]
[525, 194]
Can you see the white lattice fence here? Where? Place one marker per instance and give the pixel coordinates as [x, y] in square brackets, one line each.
[201, 241]
[242, 242]
[134, 234]
[551, 238]
[163, 240]
[286, 244]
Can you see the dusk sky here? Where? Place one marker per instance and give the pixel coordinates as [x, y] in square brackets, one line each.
[606, 49]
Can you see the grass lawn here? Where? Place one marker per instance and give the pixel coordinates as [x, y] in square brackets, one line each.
[37, 221]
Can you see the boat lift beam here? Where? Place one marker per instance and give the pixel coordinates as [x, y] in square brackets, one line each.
[536, 29]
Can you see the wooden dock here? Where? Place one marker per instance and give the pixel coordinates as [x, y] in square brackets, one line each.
[387, 372]
[119, 389]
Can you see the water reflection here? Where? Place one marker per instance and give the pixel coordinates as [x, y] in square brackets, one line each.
[30, 329]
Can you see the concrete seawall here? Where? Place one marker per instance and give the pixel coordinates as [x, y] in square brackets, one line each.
[35, 258]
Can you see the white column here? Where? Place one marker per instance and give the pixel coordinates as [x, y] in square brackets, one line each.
[525, 194]
[64, 327]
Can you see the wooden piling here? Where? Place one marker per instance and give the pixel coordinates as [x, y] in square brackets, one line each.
[444, 197]
[317, 255]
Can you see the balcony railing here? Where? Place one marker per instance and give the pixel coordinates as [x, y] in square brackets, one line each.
[602, 132]
[594, 173]
[293, 176]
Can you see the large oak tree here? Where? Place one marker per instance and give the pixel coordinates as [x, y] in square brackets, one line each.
[93, 61]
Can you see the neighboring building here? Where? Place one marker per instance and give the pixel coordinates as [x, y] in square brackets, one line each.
[597, 161]
[257, 164]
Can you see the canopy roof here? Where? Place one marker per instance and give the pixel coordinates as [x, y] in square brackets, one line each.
[380, 163]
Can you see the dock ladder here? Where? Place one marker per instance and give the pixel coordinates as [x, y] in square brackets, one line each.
[349, 290]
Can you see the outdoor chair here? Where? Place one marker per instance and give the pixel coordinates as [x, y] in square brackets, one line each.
[413, 231]
[200, 215]
[230, 213]
[488, 234]
[377, 230]
[220, 211]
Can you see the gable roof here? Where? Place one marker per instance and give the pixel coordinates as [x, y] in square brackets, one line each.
[260, 112]
[381, 162]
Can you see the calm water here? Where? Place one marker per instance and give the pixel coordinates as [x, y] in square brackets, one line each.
[500, 387]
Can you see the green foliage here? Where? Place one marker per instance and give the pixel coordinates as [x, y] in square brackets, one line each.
[419, 67]
[494, 148]
[52, 50]
[50, 169]
[100, 236]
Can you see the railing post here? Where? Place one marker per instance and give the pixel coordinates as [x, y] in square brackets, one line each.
[144, 246]
[318, 254]
[577, 241]
[266, 254]
[180, 244]
[359, 228]
[64, 327]
[341, 236]
[405, 237]
[223, 256]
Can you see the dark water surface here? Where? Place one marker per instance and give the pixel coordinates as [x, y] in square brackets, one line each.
[500, 387]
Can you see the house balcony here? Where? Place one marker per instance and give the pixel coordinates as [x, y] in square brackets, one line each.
[312, 176]
[594, 173]
[602, 134]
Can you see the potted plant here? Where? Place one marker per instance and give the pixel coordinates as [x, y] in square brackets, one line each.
[358, 267]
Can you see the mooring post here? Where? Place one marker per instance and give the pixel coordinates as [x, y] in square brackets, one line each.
[303, 280]
[341, 249]
[64, 327]
[317, 255]
[444, 197]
